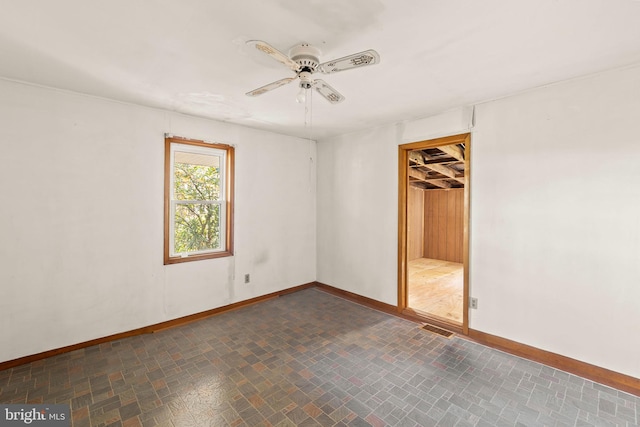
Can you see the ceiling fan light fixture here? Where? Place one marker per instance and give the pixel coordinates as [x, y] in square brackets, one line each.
[306, 82]
[301, 98]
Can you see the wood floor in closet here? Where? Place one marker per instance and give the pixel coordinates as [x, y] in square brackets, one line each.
[435, 287]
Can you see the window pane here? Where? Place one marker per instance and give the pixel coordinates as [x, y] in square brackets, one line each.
[196, 176]
[197, 227]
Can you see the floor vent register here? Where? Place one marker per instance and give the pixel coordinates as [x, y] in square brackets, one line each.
[439, 331]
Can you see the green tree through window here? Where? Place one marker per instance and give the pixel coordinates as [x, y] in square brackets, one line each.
[197, 225]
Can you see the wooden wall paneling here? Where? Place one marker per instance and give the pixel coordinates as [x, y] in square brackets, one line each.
[457, 220]
[444, 224]
[458, 223]
[443, 213]
[433, 218]
[415, 223]
[451, 225]
[429, 221]
[435, 239]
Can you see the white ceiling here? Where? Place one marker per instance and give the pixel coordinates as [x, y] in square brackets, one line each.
[190, 55]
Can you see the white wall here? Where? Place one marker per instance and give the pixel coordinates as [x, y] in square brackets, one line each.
[82, 219]
[357, 211]
[555, 216]
[556, 219]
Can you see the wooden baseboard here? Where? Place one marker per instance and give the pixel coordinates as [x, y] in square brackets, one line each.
[151, 328]
[594, 373]
[406, 314]
[585, 370]
[359, 299]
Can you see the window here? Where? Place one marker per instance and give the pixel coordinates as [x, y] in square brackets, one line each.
[198, 202]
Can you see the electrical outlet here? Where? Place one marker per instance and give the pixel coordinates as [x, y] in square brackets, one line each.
[247, 278]
[473, 303]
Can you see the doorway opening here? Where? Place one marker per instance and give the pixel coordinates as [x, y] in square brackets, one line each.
[433, 230]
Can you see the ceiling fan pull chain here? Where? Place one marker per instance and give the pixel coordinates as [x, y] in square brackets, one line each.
[310, 108]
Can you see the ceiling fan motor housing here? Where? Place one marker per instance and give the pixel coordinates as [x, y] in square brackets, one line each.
[306, 56]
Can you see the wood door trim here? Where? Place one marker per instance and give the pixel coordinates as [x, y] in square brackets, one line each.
[403, 188]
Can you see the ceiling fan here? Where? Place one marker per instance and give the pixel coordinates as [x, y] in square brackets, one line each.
[303, 60]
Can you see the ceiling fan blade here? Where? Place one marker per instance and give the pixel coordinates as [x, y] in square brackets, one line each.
[271, 86]
[329, 93]
[275, 54]
[357, 60]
